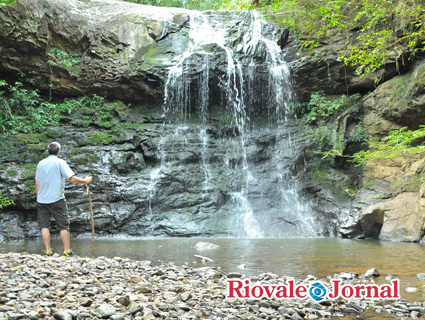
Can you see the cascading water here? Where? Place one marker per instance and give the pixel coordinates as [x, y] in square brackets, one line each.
[226, 181]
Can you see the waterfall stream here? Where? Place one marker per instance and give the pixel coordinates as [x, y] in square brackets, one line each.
[233, 196]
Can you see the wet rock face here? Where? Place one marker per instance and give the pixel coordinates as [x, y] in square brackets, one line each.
[110, 48]
[156, 180]
[73, 48]
[192, 173]
[124, 50]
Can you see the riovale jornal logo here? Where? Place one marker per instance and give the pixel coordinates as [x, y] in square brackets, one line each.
[316, 290]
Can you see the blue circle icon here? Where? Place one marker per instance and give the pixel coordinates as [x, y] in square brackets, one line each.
[317, 291]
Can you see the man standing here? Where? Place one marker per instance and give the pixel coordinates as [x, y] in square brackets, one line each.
[50, 190]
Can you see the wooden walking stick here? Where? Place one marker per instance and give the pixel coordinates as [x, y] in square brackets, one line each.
[92, 221]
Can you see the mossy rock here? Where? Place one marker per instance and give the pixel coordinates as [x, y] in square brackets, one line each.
[28, 138]
[419, 79]
[83, 123]
[30, 166]
[105, 124]
[12, 172]
[85, 159]
[29, 187]
[36, 147]
[46, 137]
[28, 175]
[99, 138]
[87, 111]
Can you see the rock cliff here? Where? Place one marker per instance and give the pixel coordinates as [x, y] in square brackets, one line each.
[214, 173]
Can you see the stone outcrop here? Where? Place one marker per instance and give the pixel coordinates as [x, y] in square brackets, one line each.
[400, 218]
[372, 219]
[125, 50]
[404, 218]
[321, 68]
[155, 175]
[116, 49]
[397, 103]
[389, 205]
[149, 180]
[71, 48]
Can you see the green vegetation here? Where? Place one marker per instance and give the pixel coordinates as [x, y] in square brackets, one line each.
[99, 138]
[63, 59]
[401, 142]
[29, 171]
[320, 108]
[325, 138]
[25, 111]
[385, 29]
[337, 128]
[4, 3]
[5, 201]
[12, 173]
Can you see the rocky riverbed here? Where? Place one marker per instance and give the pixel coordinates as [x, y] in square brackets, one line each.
[37, 287]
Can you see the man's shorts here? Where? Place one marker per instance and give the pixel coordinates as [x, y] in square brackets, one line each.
[59, 211]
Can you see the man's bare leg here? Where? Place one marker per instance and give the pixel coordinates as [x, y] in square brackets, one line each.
[45, 235]
[65, 240]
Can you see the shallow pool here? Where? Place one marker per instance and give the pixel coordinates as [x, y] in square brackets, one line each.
[297, 257]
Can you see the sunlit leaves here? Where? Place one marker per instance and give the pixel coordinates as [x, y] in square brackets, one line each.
[4, 3]
[401, 142]
[386, 29]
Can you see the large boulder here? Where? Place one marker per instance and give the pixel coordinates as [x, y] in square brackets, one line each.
[371, 220]
[400, 218]
[404, 218]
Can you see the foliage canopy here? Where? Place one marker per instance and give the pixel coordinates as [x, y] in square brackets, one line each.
[6, 2]
[385, 29]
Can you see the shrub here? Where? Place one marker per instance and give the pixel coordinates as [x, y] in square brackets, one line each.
[5, 201]
[24, 111]
[401, 142]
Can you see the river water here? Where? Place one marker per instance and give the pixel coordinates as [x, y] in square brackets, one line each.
[296, 257]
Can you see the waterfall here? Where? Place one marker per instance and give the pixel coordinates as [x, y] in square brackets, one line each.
[218, 168]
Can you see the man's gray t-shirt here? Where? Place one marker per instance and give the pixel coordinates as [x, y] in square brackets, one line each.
[51, 174]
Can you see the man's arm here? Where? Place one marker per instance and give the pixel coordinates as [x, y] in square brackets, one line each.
[37, 187]
[86, 180]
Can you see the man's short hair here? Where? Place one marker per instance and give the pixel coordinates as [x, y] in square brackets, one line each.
[53, 148]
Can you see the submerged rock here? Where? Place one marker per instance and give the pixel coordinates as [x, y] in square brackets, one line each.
[421, 276]
[206, 246]
[371, 273]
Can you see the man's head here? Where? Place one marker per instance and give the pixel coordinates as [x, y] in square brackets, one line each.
[54, 148]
